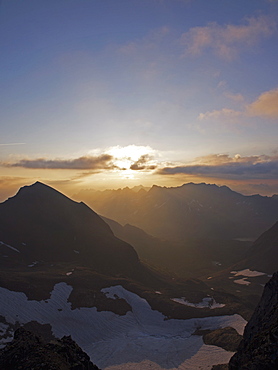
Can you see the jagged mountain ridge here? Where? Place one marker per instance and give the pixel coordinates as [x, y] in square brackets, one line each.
[39, 223]
[195, 210]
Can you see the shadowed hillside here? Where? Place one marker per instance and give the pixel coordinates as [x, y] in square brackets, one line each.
[39, 223]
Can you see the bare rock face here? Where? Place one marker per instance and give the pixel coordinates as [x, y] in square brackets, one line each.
[226, 338]
[27, 351]
[259, 347]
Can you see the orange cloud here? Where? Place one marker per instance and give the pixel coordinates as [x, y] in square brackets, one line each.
[226, 41]
[266, 105]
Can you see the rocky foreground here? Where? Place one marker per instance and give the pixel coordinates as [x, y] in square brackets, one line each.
[259, 347]
[27, 351]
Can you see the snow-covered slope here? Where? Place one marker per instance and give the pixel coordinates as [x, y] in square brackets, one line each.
[143, 338]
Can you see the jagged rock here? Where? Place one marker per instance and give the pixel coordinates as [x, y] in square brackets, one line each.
[259, 347]
[226, 338]
[27, 351]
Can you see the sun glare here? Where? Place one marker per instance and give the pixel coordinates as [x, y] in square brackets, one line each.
[125, 156]
[130, 152]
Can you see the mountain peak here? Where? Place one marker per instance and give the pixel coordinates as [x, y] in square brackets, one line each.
[39, 190]
[37, 186]
[56, 228]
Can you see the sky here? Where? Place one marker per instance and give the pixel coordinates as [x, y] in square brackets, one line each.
[98, 94]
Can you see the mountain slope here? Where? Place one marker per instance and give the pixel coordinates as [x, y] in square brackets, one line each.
[259, 348]
[263, 254]
[191, 210]
[192, 257]
[39, 223]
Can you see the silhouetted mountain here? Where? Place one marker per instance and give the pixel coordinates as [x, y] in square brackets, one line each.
[259, 347]
[263, 254]
[39, 223]
[27, 351]
[195, 210]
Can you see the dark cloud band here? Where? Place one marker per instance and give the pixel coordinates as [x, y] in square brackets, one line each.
[230, 170]
[83, 163]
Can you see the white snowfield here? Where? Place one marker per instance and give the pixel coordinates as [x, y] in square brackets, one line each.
[248, 273]
[141, 339]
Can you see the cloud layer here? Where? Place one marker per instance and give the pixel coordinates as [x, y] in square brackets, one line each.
[82, 163]
[224, 166]
[102, 162]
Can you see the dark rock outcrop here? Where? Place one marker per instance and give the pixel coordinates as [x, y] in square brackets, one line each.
[259, 347]
[226, 338]
[27, 351]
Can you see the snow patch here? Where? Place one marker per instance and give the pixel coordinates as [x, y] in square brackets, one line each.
[207, 302]
[118, 342]
[242, 281]
[33, 264]
[5, 337]
[216, 263]
[70, 272]
[248, 273]
[9, 246]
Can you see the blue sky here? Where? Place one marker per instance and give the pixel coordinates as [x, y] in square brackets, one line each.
[117, 93]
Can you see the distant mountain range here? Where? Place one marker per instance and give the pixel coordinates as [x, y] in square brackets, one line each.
[191, 210]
